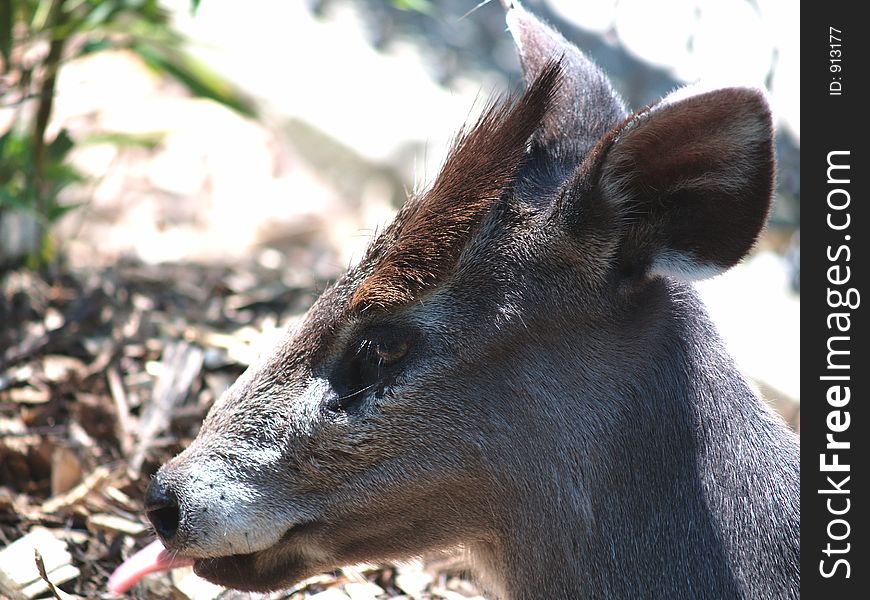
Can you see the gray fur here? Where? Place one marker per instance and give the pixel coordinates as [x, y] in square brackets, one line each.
[565, 414]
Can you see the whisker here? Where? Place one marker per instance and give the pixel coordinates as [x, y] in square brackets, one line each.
[479, 4]
[359, 391]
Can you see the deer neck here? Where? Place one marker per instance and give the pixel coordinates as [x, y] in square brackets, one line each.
[656, 500]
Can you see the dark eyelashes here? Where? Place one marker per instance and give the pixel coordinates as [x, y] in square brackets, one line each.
[367, 352]
[370, 364]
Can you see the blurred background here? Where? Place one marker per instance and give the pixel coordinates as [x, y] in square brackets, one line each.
[179, 179]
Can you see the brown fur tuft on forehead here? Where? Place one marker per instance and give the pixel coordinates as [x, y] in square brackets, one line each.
[430, 233]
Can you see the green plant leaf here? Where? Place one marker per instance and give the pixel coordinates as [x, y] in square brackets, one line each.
[101, 13]
[195, 76]
[15, 201]
[47, 253]
[15, 156]
[56, 211]
[148, 140]
[420, 6]
[142, 26]
[3, 140]
[58, 175]
[93, 46]
[59, 147]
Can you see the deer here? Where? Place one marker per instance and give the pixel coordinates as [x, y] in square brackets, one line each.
[519, 367]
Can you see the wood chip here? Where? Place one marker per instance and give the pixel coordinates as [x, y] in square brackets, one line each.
[193, 586]
[354, 573]
[180, 366]
[66, 470]
[56, 577]
[451, 595]
[238, 346]
[60, 575]
[58, 367]
[29, 395]
[20, 568]
[53, 319]
[363, 591]
[78, 493]
[412, 580]
[462, 587]
[122, 409]
[8, 589]
[120, 498]
[330, 594]
[117, 524]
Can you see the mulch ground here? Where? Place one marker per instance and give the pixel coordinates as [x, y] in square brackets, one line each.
[106, 375]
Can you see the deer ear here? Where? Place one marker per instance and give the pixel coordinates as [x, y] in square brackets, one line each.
[691, 180]
[585, 107]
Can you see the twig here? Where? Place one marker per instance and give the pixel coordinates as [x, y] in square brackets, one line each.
[182, 363]
[57, 593]
[56, 18]
[122, 408]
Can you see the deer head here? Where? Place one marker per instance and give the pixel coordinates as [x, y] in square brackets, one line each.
[472, 374]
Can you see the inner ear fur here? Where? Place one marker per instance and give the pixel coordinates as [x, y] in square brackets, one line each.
[691, 182]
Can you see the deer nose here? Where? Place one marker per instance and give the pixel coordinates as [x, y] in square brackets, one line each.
[161, 506]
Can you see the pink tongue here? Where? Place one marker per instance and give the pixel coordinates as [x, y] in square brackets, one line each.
[151, 558]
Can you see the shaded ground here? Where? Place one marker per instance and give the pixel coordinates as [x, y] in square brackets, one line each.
[105, 376]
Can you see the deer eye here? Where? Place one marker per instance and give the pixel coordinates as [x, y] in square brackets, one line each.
[369, 367]
[374, 360]
[390, 352]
